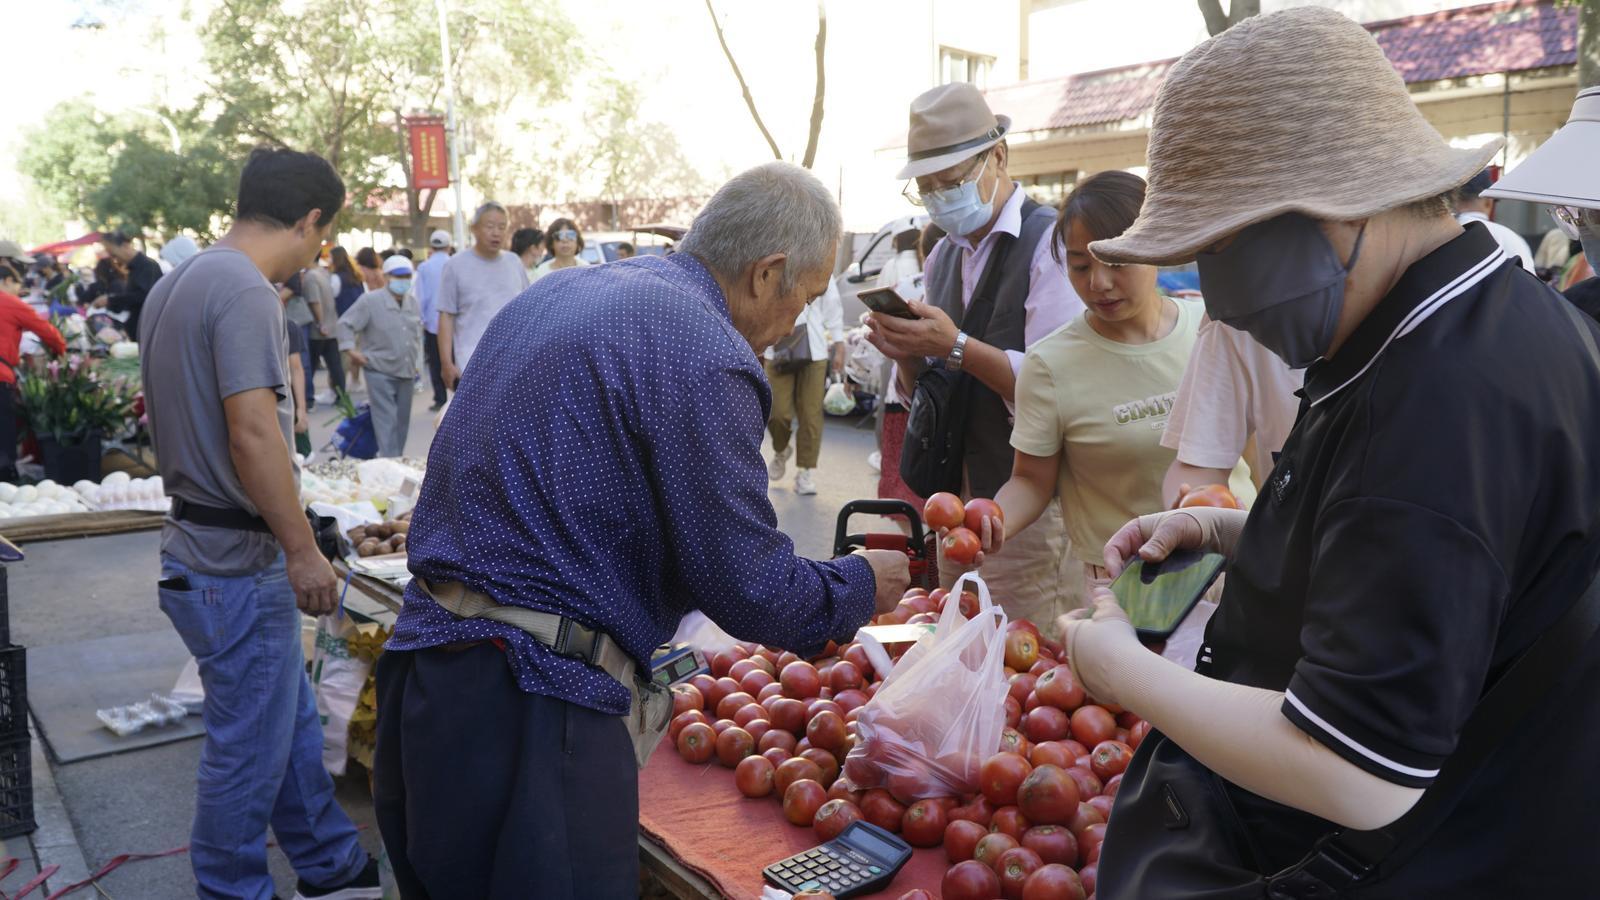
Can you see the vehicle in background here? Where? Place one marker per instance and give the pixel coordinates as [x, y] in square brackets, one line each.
[869, 252]
[648, 240]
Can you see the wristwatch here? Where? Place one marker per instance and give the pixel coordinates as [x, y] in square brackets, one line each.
[957, 353]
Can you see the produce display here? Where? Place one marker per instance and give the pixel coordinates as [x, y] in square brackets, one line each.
[117, 491]
[1030, 829]
[384, 537]
[340, 481]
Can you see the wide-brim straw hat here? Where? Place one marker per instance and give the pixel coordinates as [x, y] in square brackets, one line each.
[949, 123]
[1295, 111]
[1565, 170]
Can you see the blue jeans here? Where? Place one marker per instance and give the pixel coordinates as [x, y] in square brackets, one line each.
[262, 759]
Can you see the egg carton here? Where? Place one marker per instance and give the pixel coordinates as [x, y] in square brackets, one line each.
[159, 710]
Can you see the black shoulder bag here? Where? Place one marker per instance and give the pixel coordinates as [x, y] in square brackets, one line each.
[936, 423]
[1183, 840]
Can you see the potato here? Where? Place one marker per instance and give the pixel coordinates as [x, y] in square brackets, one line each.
[399, 542]
[368, 547]
[400, 527]
[358, 534]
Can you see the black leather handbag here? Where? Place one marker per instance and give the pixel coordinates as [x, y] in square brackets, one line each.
[932, 456]
[1178, 837]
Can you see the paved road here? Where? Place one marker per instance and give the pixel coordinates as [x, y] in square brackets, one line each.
[143, 801]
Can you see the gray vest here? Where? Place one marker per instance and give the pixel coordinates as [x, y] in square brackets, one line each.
[987, 442]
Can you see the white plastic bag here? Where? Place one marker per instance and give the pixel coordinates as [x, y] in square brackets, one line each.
[939, 714]
[338, 676]
[702, 634]
[837, 401]
[382, 477]
[188, 690]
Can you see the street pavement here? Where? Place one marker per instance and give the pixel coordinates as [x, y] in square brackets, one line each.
[142, 801]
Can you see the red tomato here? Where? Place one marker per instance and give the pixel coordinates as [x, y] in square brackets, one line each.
[734, 745]
[801, 800]
[1053, 881]
[703, 683]
[923, 824]
[1022, 651]
[818, 704]
[1113, 784]
[721, 725]
[1048, 796]
[682, 719]
[907, 787]
[1001, 775]
[1210, 495]
[800, 680]
[753, 776]
[772, 690]
[826, 763]
[1033, 702]
[696, 742]
[969, 604]
[787, 714]
[715, 691]
[979, 810]
[826, 730]
[1058, 688]
[1089, 842]
[1137, 734]
[991, 846]
[943, 510]
[970, 880]
[1102, 805]
[856, 655]
[754, 680]
[732, 703]
[742, 668]
[1050, 753]
[961, 838]
[1044, 664]
[1014, 867]
[917, 894]
[748, 713]
[758, 729]
[1110, 758]
[1012, 741]
[776, 737]
[686, 697]
[845, 676]
[794, 769]
[1013, 712]
[844, 789]
[1090, 876]
[1089, 784]
[1053, 843]
[832, 817]
[977, 509]
[1092, 724]
[776, 755]
[1019, 686]
[722, 661]
[1009, 820]
[961, 546]
[1081, 820]
[851, 699]
[1046, 724]
[1022, 625]
[882, 810]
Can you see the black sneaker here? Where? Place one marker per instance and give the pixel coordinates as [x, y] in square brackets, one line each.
[364, 886]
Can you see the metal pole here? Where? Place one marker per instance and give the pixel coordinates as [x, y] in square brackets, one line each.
[460, 223]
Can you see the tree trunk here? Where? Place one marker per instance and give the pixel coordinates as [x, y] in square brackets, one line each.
[748, 99]
[1217, 21]
[1589, 43]
[816, 100]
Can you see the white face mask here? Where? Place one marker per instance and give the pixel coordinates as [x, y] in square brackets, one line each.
[960, 209]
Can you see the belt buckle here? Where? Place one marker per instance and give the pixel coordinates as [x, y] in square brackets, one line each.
[575, 641]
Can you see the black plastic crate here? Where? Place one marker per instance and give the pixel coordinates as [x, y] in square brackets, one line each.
[16, 787]
[5, 611]
[13, 692]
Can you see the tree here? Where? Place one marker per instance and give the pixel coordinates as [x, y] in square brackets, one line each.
[631, 157]
[1218, 21]
[815, 129]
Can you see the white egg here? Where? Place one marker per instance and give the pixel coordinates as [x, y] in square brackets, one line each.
[5, 511]
[8, 492]
[47, 483]
[83, 485]
[26, 494]
[92, 495]
[161, 487]
[49, 490]
[116, 478]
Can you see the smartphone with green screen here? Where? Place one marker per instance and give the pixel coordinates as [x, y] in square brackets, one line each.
[1158, 595]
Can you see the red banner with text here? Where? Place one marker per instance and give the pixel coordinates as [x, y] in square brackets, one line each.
[430, 166]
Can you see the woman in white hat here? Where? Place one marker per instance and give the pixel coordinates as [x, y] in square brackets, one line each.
[1363, 720]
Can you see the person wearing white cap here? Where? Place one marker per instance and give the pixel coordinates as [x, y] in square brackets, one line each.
[1409, 610]
[992, 291]
[428, 272]
[389, 326]
[1563, 173]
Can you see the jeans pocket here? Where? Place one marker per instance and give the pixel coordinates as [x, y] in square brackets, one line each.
[196, 614]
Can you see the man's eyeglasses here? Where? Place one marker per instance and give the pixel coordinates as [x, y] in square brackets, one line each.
[914, 195]
[1572, 220]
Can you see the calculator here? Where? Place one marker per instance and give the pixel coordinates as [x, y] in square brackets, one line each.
[863, 859]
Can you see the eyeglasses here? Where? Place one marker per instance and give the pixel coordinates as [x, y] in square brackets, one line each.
[566, 234]
[1575, 219]
[914, 195]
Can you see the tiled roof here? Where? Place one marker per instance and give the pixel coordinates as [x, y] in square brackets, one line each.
[1480, 40]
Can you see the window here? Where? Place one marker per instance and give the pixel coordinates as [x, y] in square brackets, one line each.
[959, 65]
[1049, 189]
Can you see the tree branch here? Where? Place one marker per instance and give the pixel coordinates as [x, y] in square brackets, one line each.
[816, 100]
[1216, 19]
[748, 99]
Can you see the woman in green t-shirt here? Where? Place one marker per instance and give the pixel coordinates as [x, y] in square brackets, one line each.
[1093, 396]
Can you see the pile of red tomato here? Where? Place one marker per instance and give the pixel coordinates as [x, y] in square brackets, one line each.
[1031, 831]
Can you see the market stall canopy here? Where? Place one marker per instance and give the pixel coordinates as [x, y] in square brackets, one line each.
[56, 248]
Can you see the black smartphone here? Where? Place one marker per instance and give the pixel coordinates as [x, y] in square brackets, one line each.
[1157, 596]
[887, 301]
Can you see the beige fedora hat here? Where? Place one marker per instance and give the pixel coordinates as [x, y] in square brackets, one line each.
[1565, 170]
[1296, 111]
[950, 123]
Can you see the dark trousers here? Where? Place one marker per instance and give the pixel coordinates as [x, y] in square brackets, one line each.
[430, 350]
[8, 431]
[327, 351]
[484, 791]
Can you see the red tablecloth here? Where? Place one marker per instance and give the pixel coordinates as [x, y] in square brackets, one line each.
[697, 814]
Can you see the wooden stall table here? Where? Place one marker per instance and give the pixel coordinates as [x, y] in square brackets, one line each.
[693, 821]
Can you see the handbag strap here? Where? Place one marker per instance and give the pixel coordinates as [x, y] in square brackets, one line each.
[1342, 859]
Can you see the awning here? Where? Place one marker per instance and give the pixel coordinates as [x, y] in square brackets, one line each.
[56, 248]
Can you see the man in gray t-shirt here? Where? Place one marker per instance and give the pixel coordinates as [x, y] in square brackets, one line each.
[239, 562]
[474, 287]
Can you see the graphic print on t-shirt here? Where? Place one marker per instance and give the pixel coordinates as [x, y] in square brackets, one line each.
[1155, 408]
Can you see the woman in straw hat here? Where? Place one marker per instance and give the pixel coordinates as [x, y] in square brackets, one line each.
[1091, 397]
[1360, 722]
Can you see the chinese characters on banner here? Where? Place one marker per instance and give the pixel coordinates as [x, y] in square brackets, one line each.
[430, 167]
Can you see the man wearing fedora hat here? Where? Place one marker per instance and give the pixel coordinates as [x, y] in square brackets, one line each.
[1434, 513]
[997, 247]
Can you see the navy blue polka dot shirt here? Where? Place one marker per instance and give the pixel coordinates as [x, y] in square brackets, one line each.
[602, 460]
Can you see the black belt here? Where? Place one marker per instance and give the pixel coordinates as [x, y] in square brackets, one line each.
[215, 517]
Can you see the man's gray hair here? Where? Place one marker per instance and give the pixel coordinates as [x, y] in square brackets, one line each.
[776, 207]
[489, 207]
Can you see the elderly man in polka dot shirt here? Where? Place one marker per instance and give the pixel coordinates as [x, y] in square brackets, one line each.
[601, 462]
